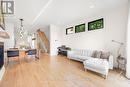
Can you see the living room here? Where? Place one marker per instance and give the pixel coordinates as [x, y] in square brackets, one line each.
[66, 43]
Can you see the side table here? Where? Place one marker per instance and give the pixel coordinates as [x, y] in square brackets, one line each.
[121, 64]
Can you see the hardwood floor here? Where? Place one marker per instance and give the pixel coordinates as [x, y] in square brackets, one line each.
[56, 72]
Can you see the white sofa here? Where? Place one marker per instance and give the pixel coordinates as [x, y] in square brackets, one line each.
[98, 65]
[79, 55]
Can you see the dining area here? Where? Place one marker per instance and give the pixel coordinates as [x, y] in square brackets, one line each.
[24, 46]
[19, 55]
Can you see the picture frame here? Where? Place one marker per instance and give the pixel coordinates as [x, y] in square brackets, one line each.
[95, 25]
[2, 21]
[69, 30]
[80, 28]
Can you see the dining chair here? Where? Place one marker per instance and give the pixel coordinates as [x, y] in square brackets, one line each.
[12, 54]
[32, 52]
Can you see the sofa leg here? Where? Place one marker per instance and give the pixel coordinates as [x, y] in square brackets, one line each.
[85, 69]
[105, 76]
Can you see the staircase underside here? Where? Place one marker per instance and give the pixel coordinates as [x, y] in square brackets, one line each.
[43, 41]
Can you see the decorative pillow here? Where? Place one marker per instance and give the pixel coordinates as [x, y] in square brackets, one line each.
[105, 55]
[96, 54]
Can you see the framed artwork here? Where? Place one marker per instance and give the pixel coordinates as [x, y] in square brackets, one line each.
[95, 25]
[2, 22]
[69, 30]
[80, 28]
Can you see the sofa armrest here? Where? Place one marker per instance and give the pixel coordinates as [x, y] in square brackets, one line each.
[84, 62]
[70, 53]
[110, 62]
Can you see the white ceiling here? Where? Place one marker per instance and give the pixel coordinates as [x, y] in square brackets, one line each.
[42, 13]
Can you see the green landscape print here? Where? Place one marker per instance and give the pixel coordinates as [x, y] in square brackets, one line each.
[80, 28]
[94, 25]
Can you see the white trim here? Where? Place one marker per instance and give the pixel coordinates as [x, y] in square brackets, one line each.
[2, 71]
[128, 46]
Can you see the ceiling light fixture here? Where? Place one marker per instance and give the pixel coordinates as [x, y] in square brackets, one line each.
[21, 29]
[91, 3]
[91, 6]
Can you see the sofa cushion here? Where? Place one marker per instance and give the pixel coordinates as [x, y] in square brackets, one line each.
[96, 63]
[87, 53]
[105, 55]
[80, 57]
[96, 54]
[78, 52]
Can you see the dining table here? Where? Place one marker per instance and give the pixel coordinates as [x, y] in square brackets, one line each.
[22, 54]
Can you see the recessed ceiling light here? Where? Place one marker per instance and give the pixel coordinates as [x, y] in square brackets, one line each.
[91, 6]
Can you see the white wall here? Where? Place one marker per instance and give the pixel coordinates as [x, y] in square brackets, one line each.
[1, 39]
[115, 29]
[128, 46]
[55, 39]
[9, 43]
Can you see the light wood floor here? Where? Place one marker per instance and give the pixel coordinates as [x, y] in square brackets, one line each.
[57, 72]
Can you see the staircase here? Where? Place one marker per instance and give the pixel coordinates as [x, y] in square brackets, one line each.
[43, 40]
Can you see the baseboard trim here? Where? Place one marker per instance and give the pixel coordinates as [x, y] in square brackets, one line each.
[2, 71]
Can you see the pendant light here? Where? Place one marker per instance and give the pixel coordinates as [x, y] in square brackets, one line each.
[21, 29]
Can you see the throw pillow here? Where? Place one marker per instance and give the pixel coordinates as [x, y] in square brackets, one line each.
[93, 54]
[96, 54]
[105, 55]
